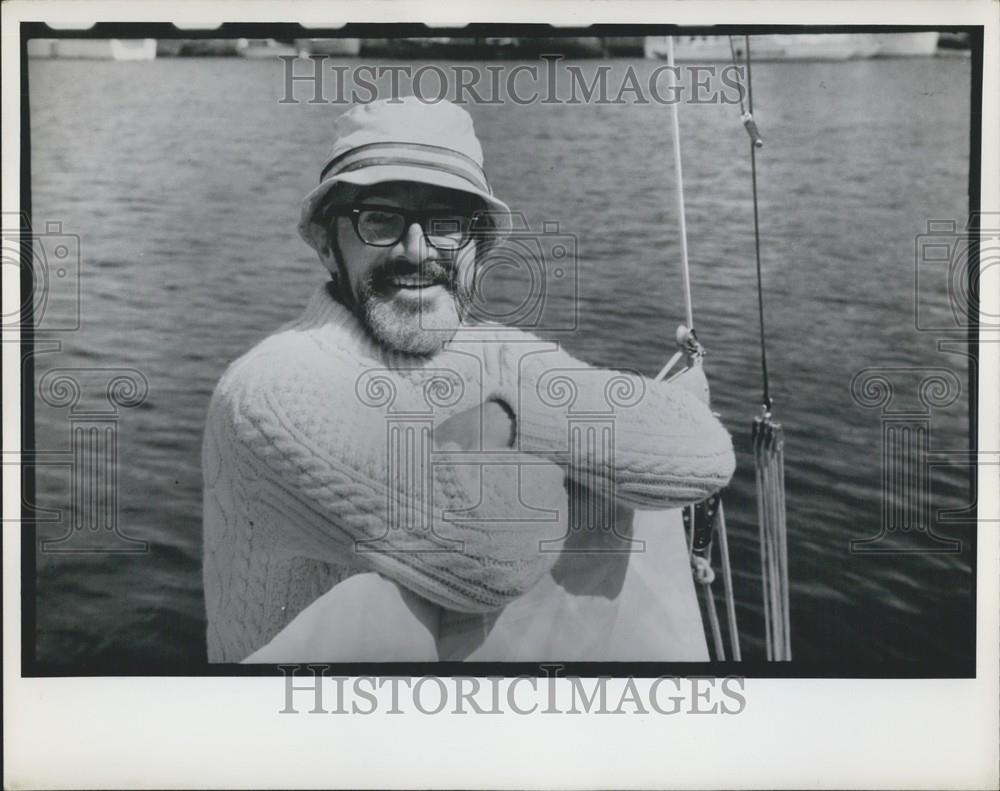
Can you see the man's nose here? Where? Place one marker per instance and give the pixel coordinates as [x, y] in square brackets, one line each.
[413, 245]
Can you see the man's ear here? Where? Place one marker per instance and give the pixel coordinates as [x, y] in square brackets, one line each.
[333, 260]
[328, 258]
[329, 252]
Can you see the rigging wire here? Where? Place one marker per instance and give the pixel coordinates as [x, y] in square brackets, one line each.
[756, 235]
[767, 439]
[746, 115]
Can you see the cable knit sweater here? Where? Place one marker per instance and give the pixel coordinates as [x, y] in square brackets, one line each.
[319, 463]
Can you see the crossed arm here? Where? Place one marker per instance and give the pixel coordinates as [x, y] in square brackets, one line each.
[327, 464]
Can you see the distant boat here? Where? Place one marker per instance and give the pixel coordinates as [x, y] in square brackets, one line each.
[206, 48]
[954, 45]
[488, 47]
[624, 46]
[868, 46]
[93, 48]
[954, 42]
[258, 48]
[823, 46]
[804, 47]
[709, 49]
[341, 47]
[906, 45]
[567, 46]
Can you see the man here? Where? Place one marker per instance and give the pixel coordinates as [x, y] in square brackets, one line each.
[384, 464]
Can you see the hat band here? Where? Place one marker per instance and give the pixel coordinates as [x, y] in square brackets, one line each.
[437, 158]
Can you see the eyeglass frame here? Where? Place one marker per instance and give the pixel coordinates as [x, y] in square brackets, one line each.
[410, 216]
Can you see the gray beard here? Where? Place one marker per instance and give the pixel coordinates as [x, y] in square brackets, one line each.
[418, 332]
[413, 329]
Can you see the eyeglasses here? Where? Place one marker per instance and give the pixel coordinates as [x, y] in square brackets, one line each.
[385, 226]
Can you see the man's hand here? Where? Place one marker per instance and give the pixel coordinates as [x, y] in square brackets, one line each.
[488, 420]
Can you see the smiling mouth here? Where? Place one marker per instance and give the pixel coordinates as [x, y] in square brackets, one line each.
[415, 281]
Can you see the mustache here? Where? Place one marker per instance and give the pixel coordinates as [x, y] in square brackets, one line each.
[439, 272]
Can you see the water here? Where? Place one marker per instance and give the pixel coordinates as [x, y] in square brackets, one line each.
[182, 178]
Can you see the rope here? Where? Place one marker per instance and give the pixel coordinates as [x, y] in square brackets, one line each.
[679, 183]
[727, 587]
[769, 465]
[686, 339]
[713, 620]
[704, 574]
[701, 569]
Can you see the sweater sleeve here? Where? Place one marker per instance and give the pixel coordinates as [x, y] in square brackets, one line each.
[317, 462]
[651, 444]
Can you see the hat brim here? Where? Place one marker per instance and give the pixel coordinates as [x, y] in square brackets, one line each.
[314, 234]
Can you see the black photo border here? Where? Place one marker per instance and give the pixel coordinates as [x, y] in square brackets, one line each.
[32, 667]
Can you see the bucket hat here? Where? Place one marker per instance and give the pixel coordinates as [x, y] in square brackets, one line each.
[401, 139]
